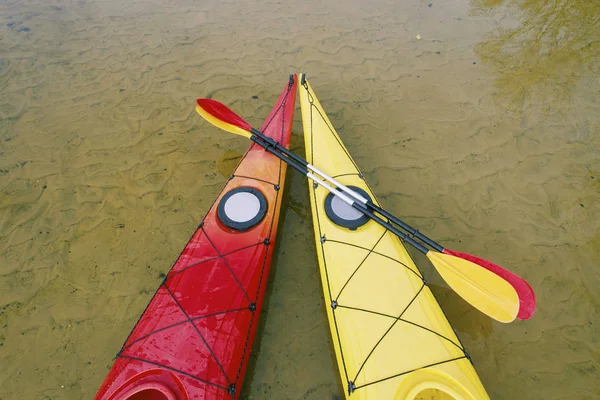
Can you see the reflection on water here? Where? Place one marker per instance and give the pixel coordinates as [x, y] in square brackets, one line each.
[106, 169]
[555, 46]
[227, 162]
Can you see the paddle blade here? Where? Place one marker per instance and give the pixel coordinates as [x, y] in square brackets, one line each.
[222, 117]
[526, 295]
[483, 289]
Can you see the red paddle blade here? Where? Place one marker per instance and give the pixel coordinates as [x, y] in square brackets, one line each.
[526, 295]
[219, 114]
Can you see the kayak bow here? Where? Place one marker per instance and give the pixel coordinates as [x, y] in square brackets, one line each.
[194, 338]
[391, 338]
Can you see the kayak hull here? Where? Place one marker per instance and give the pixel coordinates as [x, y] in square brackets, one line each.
[194, 339]
[390, 336]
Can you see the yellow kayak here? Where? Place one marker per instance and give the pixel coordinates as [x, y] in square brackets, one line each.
[391, 338]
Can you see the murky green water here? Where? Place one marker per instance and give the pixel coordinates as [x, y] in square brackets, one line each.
[478, 122]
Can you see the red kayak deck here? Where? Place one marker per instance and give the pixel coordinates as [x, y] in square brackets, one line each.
[194, 338]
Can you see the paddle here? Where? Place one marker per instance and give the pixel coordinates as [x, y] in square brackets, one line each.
[219, 114]
[479, 286]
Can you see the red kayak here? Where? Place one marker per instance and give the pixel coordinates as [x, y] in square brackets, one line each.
[194, 339]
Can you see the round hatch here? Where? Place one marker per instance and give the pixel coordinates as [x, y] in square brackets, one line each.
[344, 215]
[242, 208]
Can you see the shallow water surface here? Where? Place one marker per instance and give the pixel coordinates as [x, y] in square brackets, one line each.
[476, 121]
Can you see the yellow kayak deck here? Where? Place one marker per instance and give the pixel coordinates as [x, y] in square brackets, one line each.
[391, 338]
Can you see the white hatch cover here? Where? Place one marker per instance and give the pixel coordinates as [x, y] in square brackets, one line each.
[343, 214]
[242, 208]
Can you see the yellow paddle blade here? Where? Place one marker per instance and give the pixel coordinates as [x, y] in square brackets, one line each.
[219, 123]
[483, 289]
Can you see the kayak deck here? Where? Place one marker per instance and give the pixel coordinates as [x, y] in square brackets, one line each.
[194, 338]
[391, 338]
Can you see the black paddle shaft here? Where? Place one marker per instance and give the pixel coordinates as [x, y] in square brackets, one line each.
[304, 171]
[414, 232]
[279, 147]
